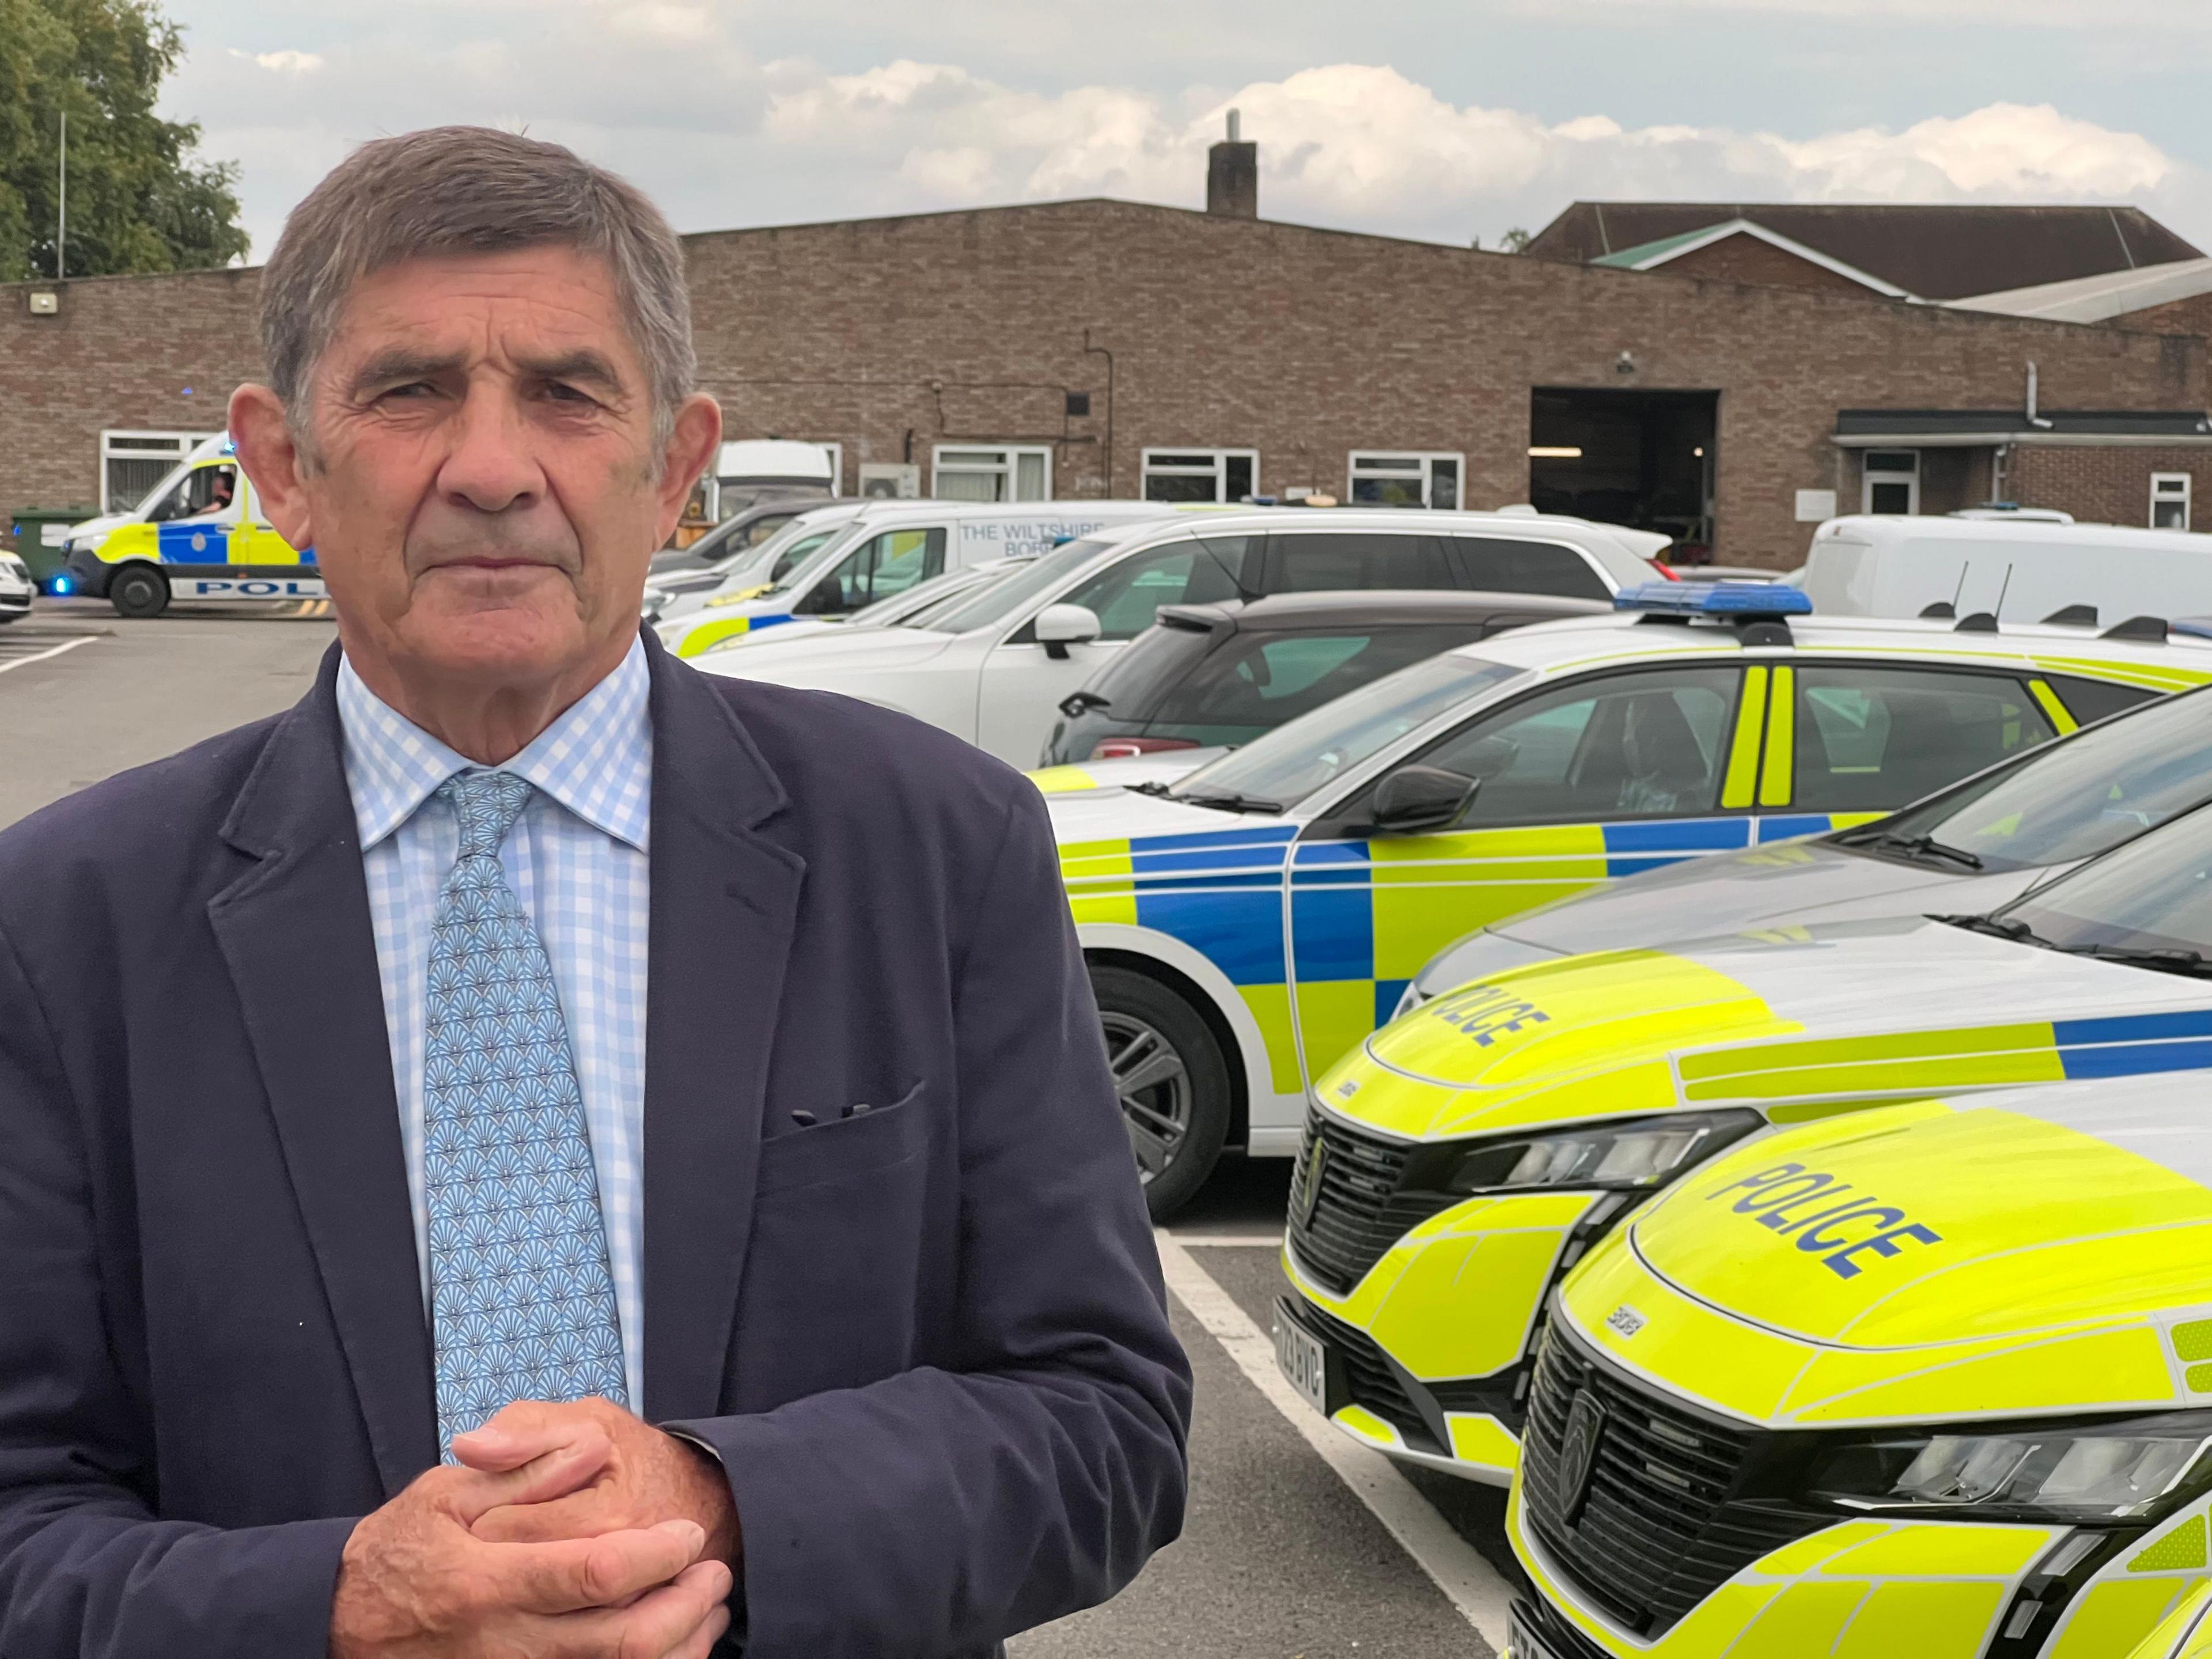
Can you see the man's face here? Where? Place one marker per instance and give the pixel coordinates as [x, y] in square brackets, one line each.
[481, 486]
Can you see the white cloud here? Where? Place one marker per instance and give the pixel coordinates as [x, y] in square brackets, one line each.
[285, 63]
[1365, 145]
[667, 92]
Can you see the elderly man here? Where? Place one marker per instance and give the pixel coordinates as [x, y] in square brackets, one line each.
[533, 1151]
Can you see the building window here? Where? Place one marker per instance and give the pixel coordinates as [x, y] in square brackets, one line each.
[132, 462]
[1892, 481]
[1406, 478]
[995, 473]
[2169, 500]
[1200, 475]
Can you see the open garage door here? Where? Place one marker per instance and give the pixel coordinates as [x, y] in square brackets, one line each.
[1641, 459]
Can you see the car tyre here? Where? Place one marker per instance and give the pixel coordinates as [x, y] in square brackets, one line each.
[1171, 1081]
[139, 591]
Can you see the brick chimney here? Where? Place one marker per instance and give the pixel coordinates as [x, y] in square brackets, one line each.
[1232, 176]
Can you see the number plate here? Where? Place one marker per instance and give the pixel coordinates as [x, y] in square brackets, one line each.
[1304, 1361]
[1522, 1641]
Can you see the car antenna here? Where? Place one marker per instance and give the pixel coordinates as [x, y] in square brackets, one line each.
[2003, 588]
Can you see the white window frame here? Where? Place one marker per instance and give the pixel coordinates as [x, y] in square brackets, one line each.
[1424, 458]
[120, 444]
[2168, 490]
[1154, 463]
[1868, 478]
[1008, 466]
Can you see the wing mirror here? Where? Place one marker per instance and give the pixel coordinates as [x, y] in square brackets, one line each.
[1059, 626]
[1421, 798]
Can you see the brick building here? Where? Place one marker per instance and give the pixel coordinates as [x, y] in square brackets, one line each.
[1093, 348]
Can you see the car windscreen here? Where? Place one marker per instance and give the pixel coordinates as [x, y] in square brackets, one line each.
[736, 553]
[1002, 599]
[1290, 763]
[2151, 896]
[2072, 801]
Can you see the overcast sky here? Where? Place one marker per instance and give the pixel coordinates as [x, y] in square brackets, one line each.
[1443, 119]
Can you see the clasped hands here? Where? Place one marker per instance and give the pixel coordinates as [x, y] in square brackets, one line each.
[566, 1532]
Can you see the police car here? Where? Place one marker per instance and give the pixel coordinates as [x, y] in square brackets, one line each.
[1469, 1153]
[1253, 922]
[16, 588]
[879, 552]
[1929, 1381]
[1971, 847]
[199, 534]
[993, 670]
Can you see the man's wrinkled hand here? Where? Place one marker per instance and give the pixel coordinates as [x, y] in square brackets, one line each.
[645, 1476]
[417, 1582]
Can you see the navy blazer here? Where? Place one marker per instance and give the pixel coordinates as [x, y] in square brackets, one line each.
[929, 1341]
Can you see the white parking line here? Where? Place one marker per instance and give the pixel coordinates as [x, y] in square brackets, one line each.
[51, 651]
[1471, 1584]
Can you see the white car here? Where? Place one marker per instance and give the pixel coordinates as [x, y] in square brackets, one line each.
[16, 588]
[993, 669]
[884, 550]
[909, 607]
[744, 568]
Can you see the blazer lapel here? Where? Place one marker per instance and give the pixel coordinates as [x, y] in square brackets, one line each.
[294, 931]
[724, 903]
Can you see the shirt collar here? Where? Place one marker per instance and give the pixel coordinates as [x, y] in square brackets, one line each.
[596, 760]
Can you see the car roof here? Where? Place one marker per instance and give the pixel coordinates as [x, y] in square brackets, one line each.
[1409, 607]
[1624, 634]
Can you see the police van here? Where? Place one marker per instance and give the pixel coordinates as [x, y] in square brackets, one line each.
[1929, 1380]
[199, 534]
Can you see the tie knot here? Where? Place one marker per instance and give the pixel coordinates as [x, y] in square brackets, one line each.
[487, 803]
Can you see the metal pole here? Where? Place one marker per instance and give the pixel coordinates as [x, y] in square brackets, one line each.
[61, 217]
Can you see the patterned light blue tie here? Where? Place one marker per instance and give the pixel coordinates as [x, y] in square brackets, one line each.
[522, 1305]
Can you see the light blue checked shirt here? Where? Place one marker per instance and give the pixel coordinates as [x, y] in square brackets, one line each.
[577, 860]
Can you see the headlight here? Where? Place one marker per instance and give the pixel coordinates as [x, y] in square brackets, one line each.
[2113, 1472]
[1623, 1157]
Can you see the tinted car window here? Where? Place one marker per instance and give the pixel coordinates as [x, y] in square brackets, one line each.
[2093, 700]
[1258, 681]
[1627, 746]
[1869, 739]
[1131, 685]
[1311, 562]
[2154, 894]
[1496, 565]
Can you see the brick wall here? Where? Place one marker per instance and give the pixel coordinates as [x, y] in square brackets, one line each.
[894, 335]
[2110, 485]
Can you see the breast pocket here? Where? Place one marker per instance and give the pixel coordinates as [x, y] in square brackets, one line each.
[842, 1230]
[848, 1149]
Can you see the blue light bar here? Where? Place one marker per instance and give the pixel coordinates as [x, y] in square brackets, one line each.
[1714, 599]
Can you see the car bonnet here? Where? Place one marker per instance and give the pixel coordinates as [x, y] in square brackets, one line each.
[1796, 1022]
[2017, 1252]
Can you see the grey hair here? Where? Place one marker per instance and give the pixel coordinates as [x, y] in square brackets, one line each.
[472, 190]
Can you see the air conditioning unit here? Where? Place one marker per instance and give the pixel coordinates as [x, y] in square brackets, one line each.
[890, 481]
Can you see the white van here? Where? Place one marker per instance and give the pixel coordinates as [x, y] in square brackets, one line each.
[751, 470]
[885, 547]
[2010, 567]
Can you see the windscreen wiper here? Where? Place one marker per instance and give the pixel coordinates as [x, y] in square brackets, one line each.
[1924, 848]
[1229, 800]
[1995, 927]
[2159, 959]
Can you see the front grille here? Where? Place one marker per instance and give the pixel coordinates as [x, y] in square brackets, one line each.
[1344, 1227]
[1370, 1379]
[1662, 1524]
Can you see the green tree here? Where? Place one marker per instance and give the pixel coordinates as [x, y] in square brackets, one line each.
[139, 199]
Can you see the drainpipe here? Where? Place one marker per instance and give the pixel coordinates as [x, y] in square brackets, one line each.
[2034, 419]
